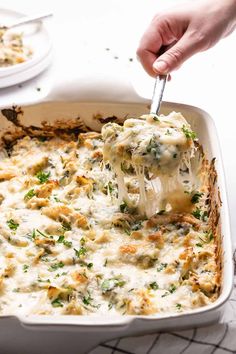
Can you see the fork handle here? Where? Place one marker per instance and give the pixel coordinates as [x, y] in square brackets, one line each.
[158, 93]
[30, 19]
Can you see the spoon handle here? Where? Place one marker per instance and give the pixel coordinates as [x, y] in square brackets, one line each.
[30, 19]
[158, 93]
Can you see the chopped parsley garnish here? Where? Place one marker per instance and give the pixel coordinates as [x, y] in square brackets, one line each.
[61, 274]
[57, 303]
[109, 188]
[89, 265]
[41, 233]
[110, 284]
[81, 252]
[33, 234]
[61, 239]
[165, 294]
[172, 288]
[87, 300]
[188, 133]
[197, 213]
[56, 266]
[67, 243]
[12, 224]
[66, 226]
[82, 241]
[110, 305]
[204, 216]
[25, 268]
[209, 236]
[154, 148]
[56, 199]
[30, 194]
[43, 176]
[161, 267]
[154, 286]
[168, 132]
[178, 306]
[199, 244]
[124, 207]
[196, 197]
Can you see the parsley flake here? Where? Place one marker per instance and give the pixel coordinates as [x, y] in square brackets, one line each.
[110, 284]
[154, 285]
[61, 239]
[161, 267]
[12, 224]
[57, 303]
[196, 197]
[43, 176]
[81, 252]
[30, 194]
[56, 266]
[124, 207]
[25, 268]
[172, 288]
[189, 133]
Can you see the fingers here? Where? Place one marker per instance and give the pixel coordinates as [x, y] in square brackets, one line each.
[150, 45]
[186, 30]
[177, 54]
[147, 59]
[163, 32]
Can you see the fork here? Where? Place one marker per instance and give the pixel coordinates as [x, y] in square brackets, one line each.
[25, 20]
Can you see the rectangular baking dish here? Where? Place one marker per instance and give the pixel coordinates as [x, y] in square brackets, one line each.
[78, 334]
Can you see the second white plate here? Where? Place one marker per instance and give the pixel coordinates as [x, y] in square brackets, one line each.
[37, 38]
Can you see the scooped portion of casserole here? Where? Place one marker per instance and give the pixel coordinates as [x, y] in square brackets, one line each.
[12, 49]
[68, 247]
[153, 148]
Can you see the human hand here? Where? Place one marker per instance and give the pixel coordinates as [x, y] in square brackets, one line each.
[176, 34]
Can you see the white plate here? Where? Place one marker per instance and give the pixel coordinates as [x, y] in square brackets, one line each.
[37, 38]
[26, 74]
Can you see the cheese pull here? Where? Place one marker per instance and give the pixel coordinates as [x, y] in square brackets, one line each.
[152, 148]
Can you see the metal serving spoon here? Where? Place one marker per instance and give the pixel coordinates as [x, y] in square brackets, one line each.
[25, 20]
[158, 93]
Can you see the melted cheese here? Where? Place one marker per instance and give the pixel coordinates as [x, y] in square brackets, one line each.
[153, 148]
[68, 247]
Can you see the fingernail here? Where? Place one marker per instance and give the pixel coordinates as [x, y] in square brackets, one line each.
[160, 66]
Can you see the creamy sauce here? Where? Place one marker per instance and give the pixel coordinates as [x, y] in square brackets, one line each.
[153, 148]
[68, 247]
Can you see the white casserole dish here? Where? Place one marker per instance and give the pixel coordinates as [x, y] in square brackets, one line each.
[78, 334]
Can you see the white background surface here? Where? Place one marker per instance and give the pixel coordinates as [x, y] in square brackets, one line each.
[82, 30]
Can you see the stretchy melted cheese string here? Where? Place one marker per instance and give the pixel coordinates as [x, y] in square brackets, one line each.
[159, 149]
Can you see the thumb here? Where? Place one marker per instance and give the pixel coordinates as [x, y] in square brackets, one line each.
[176, 55]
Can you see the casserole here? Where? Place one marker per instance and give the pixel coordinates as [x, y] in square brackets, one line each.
[30, 330]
